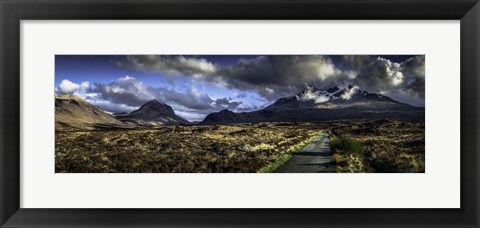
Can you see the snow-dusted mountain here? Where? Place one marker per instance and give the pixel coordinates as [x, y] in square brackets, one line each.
[335, 97]
[313, 104]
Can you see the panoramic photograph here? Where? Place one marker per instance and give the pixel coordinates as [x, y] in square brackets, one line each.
[239, 113]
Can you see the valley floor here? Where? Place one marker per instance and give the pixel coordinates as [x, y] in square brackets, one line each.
[386, 146]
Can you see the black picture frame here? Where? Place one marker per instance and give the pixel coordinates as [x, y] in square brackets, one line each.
[13, 11]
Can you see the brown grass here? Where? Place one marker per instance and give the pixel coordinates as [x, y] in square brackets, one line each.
[387, 147]
[381, 146]
[183, 149]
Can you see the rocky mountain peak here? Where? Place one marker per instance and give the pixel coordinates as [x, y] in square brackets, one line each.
[154, 102]
[155, 106]
[225, 111]
[153, 113]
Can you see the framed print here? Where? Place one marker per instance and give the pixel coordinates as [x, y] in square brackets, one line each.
[239, 113]
[228, 122]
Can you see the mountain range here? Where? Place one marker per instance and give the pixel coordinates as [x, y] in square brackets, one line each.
[313, 104]
[74, 113]
[310, 105]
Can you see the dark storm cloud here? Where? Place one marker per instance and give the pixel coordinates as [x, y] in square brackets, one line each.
[415, 75]
[189, 99]
[176, 65]
[403, 81]
[270, 76]
[123, 94]
[358, 61]
[126, 90]
[278, 76]
[225, 103]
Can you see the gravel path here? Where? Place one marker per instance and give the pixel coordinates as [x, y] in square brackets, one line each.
[315, 157]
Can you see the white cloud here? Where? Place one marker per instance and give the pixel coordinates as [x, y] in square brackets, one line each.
[316, 96]
[200, 65]
[349, 92]
[109, 106]
[396, 78]
[85, 85]
[393, 71]
[351, 74]
[68, 87]
[321, 99]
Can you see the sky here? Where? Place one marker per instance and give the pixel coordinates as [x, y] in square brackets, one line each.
[196, 85]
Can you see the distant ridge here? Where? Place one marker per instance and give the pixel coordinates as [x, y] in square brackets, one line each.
[74, 113]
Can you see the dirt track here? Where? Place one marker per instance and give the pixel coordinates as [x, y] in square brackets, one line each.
[316, 157]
